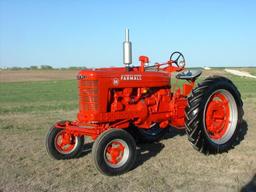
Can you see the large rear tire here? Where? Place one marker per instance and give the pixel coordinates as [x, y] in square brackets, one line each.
[214, 116]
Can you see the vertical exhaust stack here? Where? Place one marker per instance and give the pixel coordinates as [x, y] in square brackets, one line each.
[127, 50]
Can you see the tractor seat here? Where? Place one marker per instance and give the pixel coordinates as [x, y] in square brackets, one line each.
[189, 74]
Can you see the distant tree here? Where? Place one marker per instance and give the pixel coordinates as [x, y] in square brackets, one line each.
[46, 67]
[15, 68]
[73, 67]
[33, 67]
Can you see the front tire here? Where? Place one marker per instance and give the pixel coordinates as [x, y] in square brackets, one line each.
[214, 115]
[62, 145]
[114, 152]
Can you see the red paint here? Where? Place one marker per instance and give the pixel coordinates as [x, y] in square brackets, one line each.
[64, 141]
[143, 60]
[116, 97]
[217, 116]
[114, 152]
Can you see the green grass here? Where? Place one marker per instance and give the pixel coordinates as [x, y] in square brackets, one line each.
[45, 96]
[246, 86]
[252, 70]
[29, 109]
[38, 96]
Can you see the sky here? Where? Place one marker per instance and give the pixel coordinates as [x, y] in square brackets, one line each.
[90, 33]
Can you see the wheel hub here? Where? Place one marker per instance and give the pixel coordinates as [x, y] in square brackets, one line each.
[114, 153]
[64, 142]
[217, 115]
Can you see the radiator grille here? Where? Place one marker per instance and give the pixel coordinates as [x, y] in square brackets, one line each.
[88, 95]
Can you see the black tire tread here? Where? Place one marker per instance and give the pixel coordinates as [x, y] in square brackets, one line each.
[194, 114]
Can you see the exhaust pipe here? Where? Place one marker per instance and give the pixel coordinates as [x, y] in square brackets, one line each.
[127, 50]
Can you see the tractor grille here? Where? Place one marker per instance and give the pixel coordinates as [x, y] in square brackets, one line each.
[88, 95]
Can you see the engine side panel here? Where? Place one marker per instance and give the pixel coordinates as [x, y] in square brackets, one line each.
[119, 97]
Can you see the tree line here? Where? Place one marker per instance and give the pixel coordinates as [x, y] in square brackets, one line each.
[41, 67]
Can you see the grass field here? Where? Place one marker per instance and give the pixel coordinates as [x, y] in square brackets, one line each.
[28, 109]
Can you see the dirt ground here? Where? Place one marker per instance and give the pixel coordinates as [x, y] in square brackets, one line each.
[36, 75]
[169, 165]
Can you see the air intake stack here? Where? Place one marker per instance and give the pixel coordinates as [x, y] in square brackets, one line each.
[127, 50]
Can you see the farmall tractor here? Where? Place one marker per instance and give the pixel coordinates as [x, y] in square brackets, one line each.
[122, 105]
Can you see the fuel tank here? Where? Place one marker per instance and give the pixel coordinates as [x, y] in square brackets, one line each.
[122, 78]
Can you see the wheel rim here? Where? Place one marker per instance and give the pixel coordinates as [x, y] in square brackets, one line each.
[152, 131]
[220, 116]
[65, 143]
[116, 153]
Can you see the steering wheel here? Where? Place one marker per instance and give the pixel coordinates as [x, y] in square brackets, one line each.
[178, 58]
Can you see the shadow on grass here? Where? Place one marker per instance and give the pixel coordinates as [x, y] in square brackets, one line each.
[146, 151]
[174, 133]
[251, 186]
[87, 148]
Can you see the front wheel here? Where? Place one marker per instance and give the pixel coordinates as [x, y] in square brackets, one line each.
[214, 115]
[114, 152]
[62, 145]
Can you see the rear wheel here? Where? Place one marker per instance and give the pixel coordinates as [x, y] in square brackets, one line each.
[214, 115]
[114, 152]
[62, 145]
[154, 133]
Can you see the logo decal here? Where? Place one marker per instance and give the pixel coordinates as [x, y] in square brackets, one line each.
[131, 77]
[115, 81]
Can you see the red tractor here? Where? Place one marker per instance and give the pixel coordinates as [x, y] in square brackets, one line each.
[119, 105]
